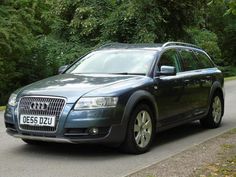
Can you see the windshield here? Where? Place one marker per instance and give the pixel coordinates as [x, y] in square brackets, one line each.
[114, 62]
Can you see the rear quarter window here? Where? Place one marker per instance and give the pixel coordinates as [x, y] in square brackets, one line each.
[204, 60]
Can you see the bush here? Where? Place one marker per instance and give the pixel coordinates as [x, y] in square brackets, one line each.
[206, 40]
[228, 71]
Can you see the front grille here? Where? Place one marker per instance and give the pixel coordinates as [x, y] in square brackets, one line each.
[55, 107]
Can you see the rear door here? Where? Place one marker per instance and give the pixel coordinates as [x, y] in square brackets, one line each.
[192, 78]
[207, 73]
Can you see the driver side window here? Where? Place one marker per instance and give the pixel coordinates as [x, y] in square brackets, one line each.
[169, 58]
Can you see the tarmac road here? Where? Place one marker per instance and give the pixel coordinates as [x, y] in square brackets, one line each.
[21, 160]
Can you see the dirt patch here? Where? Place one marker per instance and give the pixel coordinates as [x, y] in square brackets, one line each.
[225, 165]
[215, 157]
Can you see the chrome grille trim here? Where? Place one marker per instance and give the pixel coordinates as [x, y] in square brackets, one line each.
[55, 108]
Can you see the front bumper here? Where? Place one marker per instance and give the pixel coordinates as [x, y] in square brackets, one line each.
[73, 126]
[114, 137]
[38, 138]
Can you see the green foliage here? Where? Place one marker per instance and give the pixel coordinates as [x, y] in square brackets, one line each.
[15, 42]
[52, 53]
[38, 36]
[149, 21]
[21, 22]
[208, 41]
[2, 108]
[83, 20]
[224, 26]
[230, 4]
[232, 7]
[229, 71]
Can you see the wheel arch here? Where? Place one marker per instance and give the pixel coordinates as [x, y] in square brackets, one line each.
[136, 98]
[216, 89]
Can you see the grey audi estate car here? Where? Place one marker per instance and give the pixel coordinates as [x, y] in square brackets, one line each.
[120, 94]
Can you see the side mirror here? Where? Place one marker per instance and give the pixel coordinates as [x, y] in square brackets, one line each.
[62, 69]
[168, 70]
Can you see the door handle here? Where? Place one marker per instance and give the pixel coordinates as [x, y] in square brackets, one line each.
[203, 80]
[186, 81]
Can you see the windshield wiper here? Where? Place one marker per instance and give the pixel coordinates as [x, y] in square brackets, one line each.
[121, 73]
[126, 73]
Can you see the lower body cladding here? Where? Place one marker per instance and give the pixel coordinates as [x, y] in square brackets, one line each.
[103, 126]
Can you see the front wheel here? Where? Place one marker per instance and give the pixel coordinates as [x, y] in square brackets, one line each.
[140, 130]
[214, 117]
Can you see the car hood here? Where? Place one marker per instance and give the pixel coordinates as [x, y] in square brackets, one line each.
[73, 86]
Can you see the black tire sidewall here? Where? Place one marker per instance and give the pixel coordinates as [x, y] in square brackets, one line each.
[209, 120]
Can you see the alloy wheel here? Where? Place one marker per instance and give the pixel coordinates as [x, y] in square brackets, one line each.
[143, 129]
[216, 109]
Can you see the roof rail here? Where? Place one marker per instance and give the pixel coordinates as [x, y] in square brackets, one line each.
[180, 43]
[127, 45]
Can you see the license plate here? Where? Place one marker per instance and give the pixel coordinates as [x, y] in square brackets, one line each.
[36, 120]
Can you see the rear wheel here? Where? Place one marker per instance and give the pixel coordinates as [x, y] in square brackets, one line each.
[140, 130]
[214, 117]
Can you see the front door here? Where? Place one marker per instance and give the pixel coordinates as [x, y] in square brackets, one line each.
[169, 90]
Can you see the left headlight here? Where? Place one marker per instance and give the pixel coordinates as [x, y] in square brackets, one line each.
[12, 100]
[96, 102]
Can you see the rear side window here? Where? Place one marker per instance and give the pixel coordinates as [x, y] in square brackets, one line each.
[188, 60]
[204, 60]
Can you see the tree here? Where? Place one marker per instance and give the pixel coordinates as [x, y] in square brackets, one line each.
[232, 7]
[21, 22]
[37, 36]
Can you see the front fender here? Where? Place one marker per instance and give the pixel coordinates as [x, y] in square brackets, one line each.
[132, 102]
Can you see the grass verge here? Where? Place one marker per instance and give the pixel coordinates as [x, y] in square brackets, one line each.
[225, 166]
[2, 108]
[214, 157]
[230, 78]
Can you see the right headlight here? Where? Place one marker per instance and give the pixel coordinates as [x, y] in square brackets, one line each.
[96, 102]
[12, 100]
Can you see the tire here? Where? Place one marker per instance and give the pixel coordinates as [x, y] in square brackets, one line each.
[214, 116]
[33, 142]
[140, 131]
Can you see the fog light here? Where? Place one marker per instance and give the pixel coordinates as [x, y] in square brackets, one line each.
[93, 131]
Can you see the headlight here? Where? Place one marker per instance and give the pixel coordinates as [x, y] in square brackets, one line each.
[12, 100]
[96, 102]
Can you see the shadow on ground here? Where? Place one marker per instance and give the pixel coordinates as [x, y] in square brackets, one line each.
[177, 133]
[94, 150]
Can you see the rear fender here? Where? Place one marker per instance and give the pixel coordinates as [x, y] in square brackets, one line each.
[216, 85]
